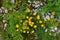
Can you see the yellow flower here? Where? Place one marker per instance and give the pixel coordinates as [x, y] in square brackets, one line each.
[27, 10]
[17, 30]
[48, 19]
[27, 31]
[20, 20]
[38, 17]
[27, 28]
[35, 26]
[31, 23]
[53, 13]
[45, 19]
[26, 21]
[40, 21]
[24, 31]
[34, 13]
[32, 31]
[27, 17]
[30, 17]
[42, 25]
[17, 26]
[23, 28]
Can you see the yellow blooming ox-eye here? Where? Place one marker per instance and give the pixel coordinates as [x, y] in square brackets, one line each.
[30, 18]
[45, 19]
[48, 18]
[24, 31]
[17, 26]
[53, 12]
[34, 13]
[32, 31]
[27, 31]
[21, 21]
[31, 23]
[34, 26]
[27, 17]
[38, 17]
[17, 30]
[42, 25]
[28, 10]
[40, 21]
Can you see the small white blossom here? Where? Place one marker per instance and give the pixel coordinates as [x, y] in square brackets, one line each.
[46, 30]
[4, 21]
[55, 28]
[37, 6]
[5, 25]
[6, 11]
[49, 13]
[47, 16]
[52, 16]
[0, 10]
[13, 1]
[41, 4]
[59, 31]
[29, 1]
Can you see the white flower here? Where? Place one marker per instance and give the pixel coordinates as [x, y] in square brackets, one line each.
[55, 28]
[52, 16]
[41, 4]
[6, 11]
[29, 1]
[59, 31]
[49, 13]
[5, 25]
[13, 1]
[47, 16]
[0, 10]
[46, 30]
[4, 21]
[58, 19]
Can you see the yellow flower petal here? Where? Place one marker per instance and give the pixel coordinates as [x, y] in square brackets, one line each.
[17, 30]
[45, 19]
[32, 31]
[27, 31]
[27, 27]
[26, 21]
[20, 20]
[24, 31]
[17, 26]
[35, 26]
[40, 21]
[38, 17]
[42, 25]
[30, 18]
[48, 19]
[27, 10]
[34, 13]
[27, 17]
[53, 13]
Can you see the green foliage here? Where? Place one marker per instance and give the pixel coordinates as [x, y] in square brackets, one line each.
[14, 16]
